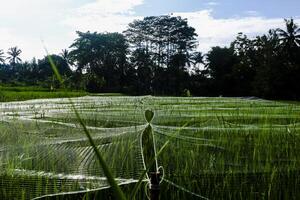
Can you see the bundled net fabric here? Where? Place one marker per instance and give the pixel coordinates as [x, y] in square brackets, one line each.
[214, 147]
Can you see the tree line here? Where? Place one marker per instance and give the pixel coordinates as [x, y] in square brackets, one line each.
[158, 55]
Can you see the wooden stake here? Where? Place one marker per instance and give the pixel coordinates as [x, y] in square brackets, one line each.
[154, 186]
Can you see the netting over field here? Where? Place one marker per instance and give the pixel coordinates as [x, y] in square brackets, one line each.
[214, 144]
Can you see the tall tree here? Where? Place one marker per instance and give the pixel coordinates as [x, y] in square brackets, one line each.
[14, 55]
[65, 54]
[2, 57]
[269, 71]
[290, 43]
[45, 73]
[197, 58]
[243, 71]
[220, 70]
[142, 63]
[162, 37]
[168, 42]
[102, 56]
[291, 36]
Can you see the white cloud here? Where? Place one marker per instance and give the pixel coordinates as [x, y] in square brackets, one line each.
[103, 15]
[99, 22]
[252, 13]
[109, 6]
[26, 22]
[212, 31]
[18, 9]
[32, 46]
[212, 3]
[8, 38]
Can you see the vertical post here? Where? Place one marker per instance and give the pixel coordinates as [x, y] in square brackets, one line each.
[148, 149]
[154, 185]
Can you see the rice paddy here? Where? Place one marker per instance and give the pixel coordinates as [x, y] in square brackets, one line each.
[219, 148]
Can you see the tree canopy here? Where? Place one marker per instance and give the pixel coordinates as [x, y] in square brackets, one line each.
[158, 55]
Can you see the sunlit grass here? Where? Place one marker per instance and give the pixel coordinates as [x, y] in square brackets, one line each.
[235, 148]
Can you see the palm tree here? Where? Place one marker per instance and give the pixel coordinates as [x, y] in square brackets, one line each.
[197, 58]
[14, 54]
[2, 57]
[291, 36]
[65, 54]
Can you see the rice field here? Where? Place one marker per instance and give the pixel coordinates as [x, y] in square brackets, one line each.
[218, 148]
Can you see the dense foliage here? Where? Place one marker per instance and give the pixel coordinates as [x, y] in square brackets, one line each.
[158, 55]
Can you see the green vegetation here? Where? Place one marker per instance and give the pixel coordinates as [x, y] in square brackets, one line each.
[218, 148]
[21, 93]
[158, 55]
[106, 145]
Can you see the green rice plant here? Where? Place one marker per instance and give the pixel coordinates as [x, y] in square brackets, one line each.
[118, 192]
[231, 148]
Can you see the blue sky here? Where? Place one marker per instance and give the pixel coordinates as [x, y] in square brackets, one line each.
[31, 24]
[224, 8]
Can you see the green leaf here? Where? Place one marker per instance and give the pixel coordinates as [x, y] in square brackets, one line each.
[149, 115]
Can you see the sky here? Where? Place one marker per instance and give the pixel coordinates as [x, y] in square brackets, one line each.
[34, 24]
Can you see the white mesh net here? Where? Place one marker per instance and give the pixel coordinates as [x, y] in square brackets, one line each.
[216, 146]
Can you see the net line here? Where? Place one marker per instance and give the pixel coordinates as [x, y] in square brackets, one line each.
[48, 150]
[43, 138]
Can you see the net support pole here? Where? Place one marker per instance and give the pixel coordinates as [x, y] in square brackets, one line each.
[154, 185]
